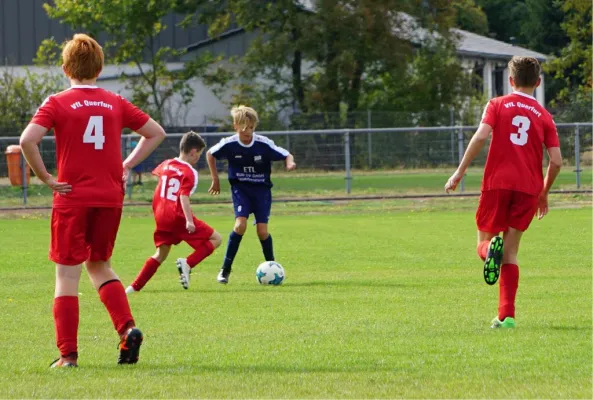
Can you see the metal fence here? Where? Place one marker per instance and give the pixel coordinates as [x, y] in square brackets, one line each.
[339, 152]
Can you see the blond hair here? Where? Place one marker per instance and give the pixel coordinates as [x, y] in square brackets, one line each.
[243, 115]
[524, 71]
[82, 57]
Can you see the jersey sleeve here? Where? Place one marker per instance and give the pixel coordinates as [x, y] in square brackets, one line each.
[189, 182]
[550, 133]
[133, 117]
[159, 169]
[490, 114]
[220, 150]
[277, 153]
[46, 114]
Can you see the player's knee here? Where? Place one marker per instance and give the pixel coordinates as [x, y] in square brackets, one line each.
[262, 232]
[216, 239]
[240, 226]
[161, 254]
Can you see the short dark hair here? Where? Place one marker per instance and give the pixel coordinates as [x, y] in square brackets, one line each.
[524, 71]
[191, 140]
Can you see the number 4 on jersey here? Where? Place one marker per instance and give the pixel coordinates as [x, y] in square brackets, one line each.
[94, 132]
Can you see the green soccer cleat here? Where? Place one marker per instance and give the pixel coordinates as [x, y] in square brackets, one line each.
[508, 323]
[493, 260]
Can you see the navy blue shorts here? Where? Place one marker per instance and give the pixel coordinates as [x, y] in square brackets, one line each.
[252, 200]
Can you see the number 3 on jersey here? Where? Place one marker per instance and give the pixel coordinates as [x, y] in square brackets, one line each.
[94, 132]
[170, 186]
[523, 124]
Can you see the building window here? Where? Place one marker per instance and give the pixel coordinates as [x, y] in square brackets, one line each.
[498, 82]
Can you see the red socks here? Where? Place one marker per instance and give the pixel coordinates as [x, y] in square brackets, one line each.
[200, 253]
[148, 270]
[114, 297]
[509, 282]
[483, 249]
[66, 322]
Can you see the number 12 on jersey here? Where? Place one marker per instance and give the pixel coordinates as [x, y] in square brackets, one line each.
[94, 132]
[170, 187]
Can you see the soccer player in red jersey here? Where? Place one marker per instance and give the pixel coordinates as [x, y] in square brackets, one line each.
[88, 191]
[175, 222]
[513, 189]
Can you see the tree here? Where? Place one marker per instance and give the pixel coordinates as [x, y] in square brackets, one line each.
[573, 66]
[317, 53]
[24, 90]
[132, 28]
[470, 17]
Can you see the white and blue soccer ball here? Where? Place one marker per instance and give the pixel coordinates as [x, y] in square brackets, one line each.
[270, 273]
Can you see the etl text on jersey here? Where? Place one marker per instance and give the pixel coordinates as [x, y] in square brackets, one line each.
[90, 103]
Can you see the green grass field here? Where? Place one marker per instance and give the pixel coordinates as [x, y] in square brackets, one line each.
[383, 299]
[315, 184]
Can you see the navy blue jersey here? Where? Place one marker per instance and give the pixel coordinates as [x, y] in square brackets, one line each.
[249, 163]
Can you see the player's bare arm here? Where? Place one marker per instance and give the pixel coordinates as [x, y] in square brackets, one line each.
[152, 135]
[29, 142]
[189, 217]
[553, 169]
[290, 164]
[474, 148]
[215, 185]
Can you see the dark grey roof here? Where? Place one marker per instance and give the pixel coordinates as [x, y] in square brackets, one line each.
[477, 45]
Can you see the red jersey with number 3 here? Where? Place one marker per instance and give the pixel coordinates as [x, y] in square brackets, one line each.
[87, 123]
[176, 178]
[520, 129]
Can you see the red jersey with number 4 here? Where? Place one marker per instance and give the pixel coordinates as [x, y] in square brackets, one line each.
[520, 129]
[87, 123]
[176, 178]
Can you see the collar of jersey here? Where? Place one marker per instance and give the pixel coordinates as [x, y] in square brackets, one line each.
[524, 95]
[243, 144]
[83, 87]
[183, 162]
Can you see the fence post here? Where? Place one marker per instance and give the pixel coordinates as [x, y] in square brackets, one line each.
[577, 154]
[288, 142]
[452, 123]
[24, 172]
[127, 139]
[370, 140]
[461, 150]
[347, 162]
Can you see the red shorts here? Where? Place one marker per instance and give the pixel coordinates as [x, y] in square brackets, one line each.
[501, 209]
[203, 232]
[79, 234]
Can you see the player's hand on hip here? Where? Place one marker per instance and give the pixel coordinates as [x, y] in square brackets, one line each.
[189, 225]
[58, 187]
[126, 175]
[542, 205]
[290, 165]
[214, 188]
[453, 181]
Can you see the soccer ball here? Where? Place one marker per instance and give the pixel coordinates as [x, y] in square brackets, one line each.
[270, 273]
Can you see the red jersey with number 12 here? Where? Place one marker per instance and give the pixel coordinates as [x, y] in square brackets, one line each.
[87, 123]
[520, 129]
[176, 178]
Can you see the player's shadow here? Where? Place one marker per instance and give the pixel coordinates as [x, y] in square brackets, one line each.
[348, 283]
[570, 328]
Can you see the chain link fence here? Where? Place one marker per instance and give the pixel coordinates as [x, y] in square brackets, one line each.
[328, 161]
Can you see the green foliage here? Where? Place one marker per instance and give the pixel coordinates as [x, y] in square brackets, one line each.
[573, 66]
[133, 27]
[22, 93]
[470, 17]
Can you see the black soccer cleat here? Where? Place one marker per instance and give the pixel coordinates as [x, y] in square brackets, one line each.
[129, 347]
[493, 260]
[223, 276]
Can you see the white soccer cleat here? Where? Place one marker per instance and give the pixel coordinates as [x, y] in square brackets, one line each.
[130, 290]
[184, 271]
